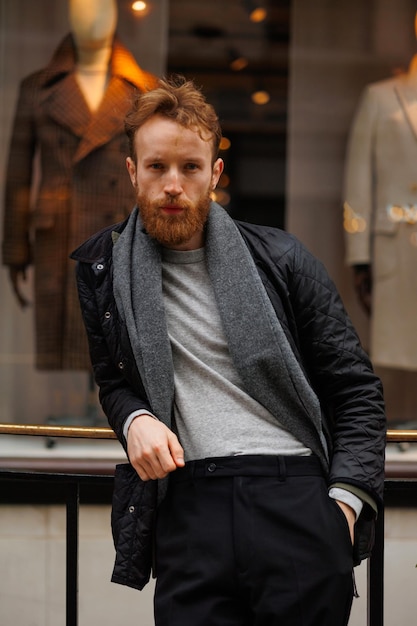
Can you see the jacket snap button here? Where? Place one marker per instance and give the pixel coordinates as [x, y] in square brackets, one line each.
[107, 315]
[211, 467]
[131, 509]
[100, 266]
[121, 365]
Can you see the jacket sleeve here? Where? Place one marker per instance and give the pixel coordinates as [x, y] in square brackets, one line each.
[120, 389]
[18, 184]
[342, 375]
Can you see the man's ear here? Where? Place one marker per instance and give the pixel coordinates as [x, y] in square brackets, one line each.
[217, 172]
[131, 168]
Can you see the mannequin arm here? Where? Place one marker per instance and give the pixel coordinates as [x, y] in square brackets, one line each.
[362, 280]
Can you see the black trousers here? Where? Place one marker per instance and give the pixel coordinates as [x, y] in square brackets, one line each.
[252, 541]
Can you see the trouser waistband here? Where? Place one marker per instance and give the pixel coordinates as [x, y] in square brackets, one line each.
[280, 466]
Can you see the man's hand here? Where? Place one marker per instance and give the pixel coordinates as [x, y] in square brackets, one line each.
[153, 449]
[350, 516]
[17, 274]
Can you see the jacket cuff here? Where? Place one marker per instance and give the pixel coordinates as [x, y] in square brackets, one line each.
[355, 503]
[133, 416]
[360, 493]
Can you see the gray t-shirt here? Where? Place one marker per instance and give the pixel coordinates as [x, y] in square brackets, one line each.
[214, 416]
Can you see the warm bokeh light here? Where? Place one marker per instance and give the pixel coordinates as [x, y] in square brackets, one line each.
[221, 196]
[258, 15]
[139, 6]
[224, 181]
[260, 96]
[237, 61]
[399, 213]
[225, 143]
[238, 64]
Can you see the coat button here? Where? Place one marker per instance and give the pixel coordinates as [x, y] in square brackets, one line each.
[121, 365]
[100, 266]
[211, 467]
[107, 315]
[131, 509]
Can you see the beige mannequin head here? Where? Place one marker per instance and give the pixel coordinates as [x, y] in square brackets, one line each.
[93, 23]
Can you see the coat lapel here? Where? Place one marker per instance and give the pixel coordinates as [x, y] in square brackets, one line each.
[108, 120]
[64, 103]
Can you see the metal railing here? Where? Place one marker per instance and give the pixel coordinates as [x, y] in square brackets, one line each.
[69, 486]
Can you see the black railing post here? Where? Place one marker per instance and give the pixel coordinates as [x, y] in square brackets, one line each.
[376, 577]
[73, 501]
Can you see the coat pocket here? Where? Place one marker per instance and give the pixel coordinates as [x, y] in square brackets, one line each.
[132, 522]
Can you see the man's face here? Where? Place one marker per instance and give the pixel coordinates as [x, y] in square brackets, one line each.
[173, 177]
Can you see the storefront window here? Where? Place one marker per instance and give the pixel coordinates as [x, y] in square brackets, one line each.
[288, 82]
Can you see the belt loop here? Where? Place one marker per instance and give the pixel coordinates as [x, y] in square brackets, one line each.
[282, 470]
[193, 467]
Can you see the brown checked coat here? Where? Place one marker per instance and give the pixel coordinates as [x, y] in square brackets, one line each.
[66, 179]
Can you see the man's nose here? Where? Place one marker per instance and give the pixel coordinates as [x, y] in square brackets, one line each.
[173, 183]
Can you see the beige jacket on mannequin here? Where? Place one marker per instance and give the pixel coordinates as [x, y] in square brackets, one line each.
[380, 196]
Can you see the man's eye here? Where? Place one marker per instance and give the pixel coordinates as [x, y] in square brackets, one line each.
[191, 166]
[156, 166]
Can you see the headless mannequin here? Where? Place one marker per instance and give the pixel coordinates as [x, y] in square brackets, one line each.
[363, 273]
[93, 25]
[379, 174]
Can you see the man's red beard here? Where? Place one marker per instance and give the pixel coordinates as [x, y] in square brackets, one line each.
[175, 229]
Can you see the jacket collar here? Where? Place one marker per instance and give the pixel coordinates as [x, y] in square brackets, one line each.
[100, 245]
[122, 64]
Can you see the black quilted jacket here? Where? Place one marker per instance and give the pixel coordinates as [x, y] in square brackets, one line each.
[321, 335]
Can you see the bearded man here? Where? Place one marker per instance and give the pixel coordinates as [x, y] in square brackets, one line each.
[231, 374]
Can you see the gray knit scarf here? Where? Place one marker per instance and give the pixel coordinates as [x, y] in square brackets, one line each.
[257, 343]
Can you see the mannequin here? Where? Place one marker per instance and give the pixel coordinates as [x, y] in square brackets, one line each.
[93, 25]
[66, 175]
[381, 221]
